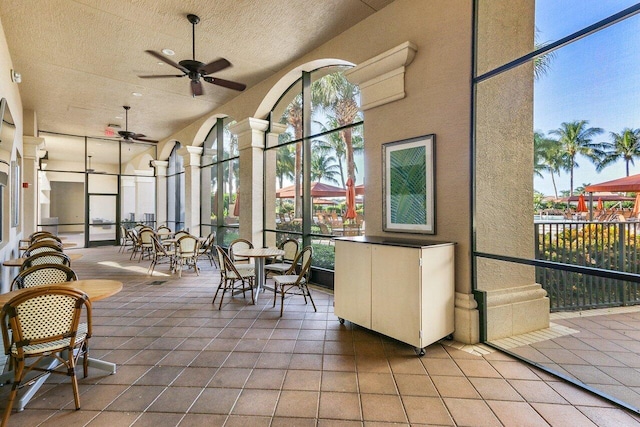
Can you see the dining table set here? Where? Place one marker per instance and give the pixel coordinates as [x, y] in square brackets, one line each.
[44, 281]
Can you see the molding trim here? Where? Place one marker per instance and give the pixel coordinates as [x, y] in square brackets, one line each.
[381, 78]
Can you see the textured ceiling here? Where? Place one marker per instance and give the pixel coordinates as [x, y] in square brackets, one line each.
[80, 59]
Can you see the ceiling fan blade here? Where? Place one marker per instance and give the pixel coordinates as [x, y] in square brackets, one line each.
[162, 76]
[214, 66]
[145, 139]
[138, 136]
[196, 88]
[225, 83]
[167, 61]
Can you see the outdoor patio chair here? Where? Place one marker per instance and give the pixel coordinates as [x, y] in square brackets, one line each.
[133, 235]
[230, 276]
[161, 255]
[43, 274]
[239, 244]
[44, 323]
[187, 253]
[283, 264]
[181, 233]
[163, 232]
[40, 247]
[206, 249]
[46, 238]
[46, 258]
[126, 239]
[295, 284]
[146, 242]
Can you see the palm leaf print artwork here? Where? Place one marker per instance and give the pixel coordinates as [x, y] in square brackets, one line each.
[408, 186]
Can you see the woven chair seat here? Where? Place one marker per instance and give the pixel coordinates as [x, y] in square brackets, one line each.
[288, 279]
[52, 346]
[278, 266]
[244, 273]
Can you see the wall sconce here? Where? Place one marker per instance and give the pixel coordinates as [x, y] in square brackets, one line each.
[16, 77]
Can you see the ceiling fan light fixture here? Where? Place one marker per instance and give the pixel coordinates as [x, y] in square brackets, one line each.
[136, 94]
[167, 52]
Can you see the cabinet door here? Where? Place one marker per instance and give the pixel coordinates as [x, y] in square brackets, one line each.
[352, 282]
[395, 292]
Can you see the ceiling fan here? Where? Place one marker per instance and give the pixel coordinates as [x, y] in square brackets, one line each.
[196, 70]
[131, 136]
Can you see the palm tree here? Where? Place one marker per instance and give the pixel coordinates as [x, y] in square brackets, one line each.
[624, 145]
[285, 164]
[575, 138]
[324, 166]
[548, 157]
[334, 141]
[338, 97]
[293, 117]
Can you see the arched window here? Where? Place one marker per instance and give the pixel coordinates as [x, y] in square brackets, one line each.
[220, 180]
[308, 168]
[175, 190]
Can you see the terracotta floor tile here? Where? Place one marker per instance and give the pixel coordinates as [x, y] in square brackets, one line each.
[427, 410]
[455, 387]
[268, 379]
[346, 382]
[296, 403]
[477, 368]
[608, 417]
[198, 420]
[470, 412]
[331, 362]
[111, 419]
[244, 421]
[175, 399]
[495, 389]
[441, 366]
[230, 378]
[415, 385]
[195, 377]
[556, 415]
[376, 383]
[303, 380]
[136, 398]
[340, 406]
[386, 408]
[160, 375]
[537, 391]
[519, 414]
[514, 370]
[256, 402]
[215, 401]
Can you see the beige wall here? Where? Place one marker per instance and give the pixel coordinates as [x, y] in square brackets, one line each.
[9, 90]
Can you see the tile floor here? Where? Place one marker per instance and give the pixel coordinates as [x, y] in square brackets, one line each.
[181, 361]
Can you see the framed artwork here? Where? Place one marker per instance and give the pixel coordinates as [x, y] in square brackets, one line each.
[408, 185]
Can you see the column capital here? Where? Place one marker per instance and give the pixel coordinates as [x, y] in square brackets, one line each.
[31, 146]
[191, 155]
[250, 132]
[160, 166]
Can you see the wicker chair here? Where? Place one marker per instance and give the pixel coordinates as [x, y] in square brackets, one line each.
[207, 249]
[40, 247]
[43, 274]
[187, 253]
[283, 264]
[46, 258]
[45, 323]
[295, 284]
[145, 238]
[230, 276]
[161, 255]
[239, 244]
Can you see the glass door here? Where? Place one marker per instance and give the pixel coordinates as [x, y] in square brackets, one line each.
[102, 217]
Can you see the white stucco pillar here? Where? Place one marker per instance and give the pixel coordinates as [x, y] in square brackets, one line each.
[30, 158]
[270, 180]
[128, 198]
[161, 190]
[144, 194]
[250, 133]
[191, 156]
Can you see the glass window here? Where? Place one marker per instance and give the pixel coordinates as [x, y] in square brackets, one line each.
[175, 190]
[317, 154]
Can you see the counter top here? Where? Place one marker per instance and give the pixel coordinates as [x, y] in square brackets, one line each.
[394, 241]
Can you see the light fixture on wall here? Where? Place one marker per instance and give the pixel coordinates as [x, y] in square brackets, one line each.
[16, 77]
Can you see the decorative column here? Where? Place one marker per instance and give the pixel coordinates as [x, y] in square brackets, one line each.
[191, 156]
[30, 159]
[270, 180]
[161, 190]
[250, 133]
[144, 194]
[206, 209]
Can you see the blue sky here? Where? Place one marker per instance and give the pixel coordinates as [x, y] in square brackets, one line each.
[596, 78]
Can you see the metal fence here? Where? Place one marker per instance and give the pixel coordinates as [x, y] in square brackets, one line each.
[605, 245]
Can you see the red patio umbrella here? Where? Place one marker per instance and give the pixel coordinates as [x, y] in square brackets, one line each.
[636, 206]
[236, 207]
[351, 200]
[600, 204]
[582, 206]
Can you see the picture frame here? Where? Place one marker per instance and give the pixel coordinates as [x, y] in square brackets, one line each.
[408, 180]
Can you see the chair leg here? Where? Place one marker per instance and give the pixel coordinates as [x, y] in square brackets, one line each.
[281, 300]
[310, 297]
[275, 292]
[251, 287]
[85, 358]
[14, 391]
[216, 295]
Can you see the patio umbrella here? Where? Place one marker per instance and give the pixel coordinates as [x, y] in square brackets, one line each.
[636, 206]
[236, 207]
[351, 200]
[582, 206]
[600, 204]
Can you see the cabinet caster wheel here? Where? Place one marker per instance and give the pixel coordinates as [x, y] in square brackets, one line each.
[420, 352]
[341, 320]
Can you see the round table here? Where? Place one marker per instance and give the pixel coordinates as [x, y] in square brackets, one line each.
[259, 254]
[17, 262]
[96, 289]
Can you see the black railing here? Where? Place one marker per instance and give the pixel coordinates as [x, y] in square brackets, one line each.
[603, 245]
